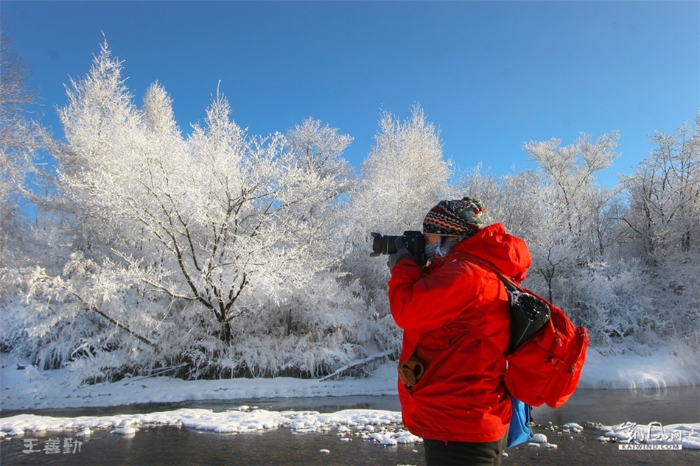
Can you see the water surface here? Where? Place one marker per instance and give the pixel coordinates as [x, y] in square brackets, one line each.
[180, 446]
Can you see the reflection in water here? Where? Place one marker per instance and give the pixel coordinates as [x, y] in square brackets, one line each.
[173, 446]
[666, 405]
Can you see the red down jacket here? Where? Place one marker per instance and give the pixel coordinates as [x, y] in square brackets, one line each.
[461, 396]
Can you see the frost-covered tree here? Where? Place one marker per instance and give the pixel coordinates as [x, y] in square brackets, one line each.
[404, 176]
[318, 150]
[323, 176]
[19, 137]
[508, 199]
[664, 194]
[175, 240]
[315, 326]
[663, 224]
[570, 206]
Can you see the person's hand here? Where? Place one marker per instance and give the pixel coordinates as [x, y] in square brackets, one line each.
[401, 252]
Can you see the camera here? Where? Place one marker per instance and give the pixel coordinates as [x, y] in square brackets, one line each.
[414, 241]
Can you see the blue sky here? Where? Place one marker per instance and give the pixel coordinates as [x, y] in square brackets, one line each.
[490, 75]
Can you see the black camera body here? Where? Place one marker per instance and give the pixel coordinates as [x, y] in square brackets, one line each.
[414, 241]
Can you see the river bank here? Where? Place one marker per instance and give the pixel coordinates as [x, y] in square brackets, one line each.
[49, 418]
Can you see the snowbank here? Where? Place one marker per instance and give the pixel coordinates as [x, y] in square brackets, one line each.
[28, 388]
[675, 366]
[377, 425]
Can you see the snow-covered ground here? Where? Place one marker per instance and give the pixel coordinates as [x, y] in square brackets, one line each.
[29, 388]
[24, 387]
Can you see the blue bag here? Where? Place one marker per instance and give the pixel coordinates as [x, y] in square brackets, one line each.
[519, 430]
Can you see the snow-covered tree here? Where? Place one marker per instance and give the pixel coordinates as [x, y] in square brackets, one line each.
[404, 175]
[20, 141]
[664, 194]
[508, 199]
[19, 138]
[663, 224]
[570, 205]
[174, 240]
[318, 150]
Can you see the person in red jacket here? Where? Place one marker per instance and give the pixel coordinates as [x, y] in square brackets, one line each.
[450, 388]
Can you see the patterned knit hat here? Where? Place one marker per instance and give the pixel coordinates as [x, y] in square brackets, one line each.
[459, 217]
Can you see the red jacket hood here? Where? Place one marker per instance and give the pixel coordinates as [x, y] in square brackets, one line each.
[507, 253]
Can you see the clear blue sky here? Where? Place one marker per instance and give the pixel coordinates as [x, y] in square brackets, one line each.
[489, 75]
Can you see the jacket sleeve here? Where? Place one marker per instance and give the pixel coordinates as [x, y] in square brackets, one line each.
[427, 302]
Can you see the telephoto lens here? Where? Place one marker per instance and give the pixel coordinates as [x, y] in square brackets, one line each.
[383, 244]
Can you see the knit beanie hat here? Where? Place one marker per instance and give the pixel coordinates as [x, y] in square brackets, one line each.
[461, 217]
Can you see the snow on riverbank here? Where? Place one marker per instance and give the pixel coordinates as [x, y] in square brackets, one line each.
[675, 366]
[376, 425]
[28, 388]
[379, 426]
[24, 387]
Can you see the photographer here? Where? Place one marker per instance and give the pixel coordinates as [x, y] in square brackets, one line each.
[451, 392]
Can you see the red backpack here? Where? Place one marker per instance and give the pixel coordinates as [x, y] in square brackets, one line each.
[546, 368]
[544, 361]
